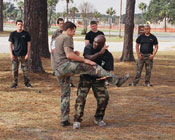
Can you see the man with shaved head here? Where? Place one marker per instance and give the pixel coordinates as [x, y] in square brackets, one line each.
[95, 52]
[146, 54]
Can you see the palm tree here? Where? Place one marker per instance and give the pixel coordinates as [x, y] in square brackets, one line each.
[21, 8]
[96, 15]
[110, 12]
[73, 11]
[67, 7]
[51, 4]
[142, 6]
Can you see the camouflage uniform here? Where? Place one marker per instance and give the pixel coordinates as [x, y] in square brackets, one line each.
[69, 68]
[24, 67]
[148, 67]
[100, 93]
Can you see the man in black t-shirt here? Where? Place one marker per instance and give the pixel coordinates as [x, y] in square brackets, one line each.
[89, 39]
[145, 55]
[20, 46]
[97, 53]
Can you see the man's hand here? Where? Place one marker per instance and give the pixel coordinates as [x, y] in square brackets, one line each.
[77, 53]
[140, 56]
[151, 57]
[104, 49]
[89, 62]
[26, 57]
[12, 57]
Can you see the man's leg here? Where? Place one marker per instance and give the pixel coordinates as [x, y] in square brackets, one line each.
[140, 64]
[148, 68]
[70, 68]
[24, 67]
[82, 91]
[65, 100]
[15, 66]
[102, 97]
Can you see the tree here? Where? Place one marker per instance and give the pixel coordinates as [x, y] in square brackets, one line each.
[142, 6]
[31, 13]
[127, 54]
[9, 11]
[20, 5]
[96, 15]
[67, 7]
[110, 12]
[43, 30]
[1, 15]
[171, 12]
[86, 9]
[158, 11]
[51, 9]
[73, 11]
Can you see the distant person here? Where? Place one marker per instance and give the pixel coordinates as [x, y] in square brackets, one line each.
[58, 32]
[89, 39]
[97, 53]
[20, 46]
[69, 62]
[145, 53]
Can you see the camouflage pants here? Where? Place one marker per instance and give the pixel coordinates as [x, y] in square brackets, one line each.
[24, 67]
[63, 75]
[148, 67]
[100, 93]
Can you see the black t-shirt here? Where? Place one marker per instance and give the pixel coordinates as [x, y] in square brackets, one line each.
[106, 60]
[146, 43]
[19, 40]
[91, 35]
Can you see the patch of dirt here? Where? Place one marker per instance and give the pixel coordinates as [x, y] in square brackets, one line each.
[133, 113]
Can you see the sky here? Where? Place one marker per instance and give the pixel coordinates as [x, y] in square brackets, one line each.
[100, 5]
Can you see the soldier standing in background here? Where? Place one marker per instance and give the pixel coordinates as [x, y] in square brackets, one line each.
[20, 46]
[145, 55]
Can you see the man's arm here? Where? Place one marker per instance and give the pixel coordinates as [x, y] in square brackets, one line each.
[11, 51]
[28, 50]
[138, 51]
[71, 55]
[86, 42]
[94, 56]
[154, 52]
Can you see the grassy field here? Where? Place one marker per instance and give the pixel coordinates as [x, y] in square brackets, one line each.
[133, 113]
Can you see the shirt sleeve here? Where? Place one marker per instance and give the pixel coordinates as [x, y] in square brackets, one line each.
[28, 38]
[68, 45]
[109, 61]
[138, 40]
[87, 51]
[87, 37]
[155, 41]
[11, 38]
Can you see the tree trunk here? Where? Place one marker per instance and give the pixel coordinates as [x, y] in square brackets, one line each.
[165, 24]
[127, 54]
[67, 9]
[1, 15]
[32, 24]
[120, 18]
[43, 30]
